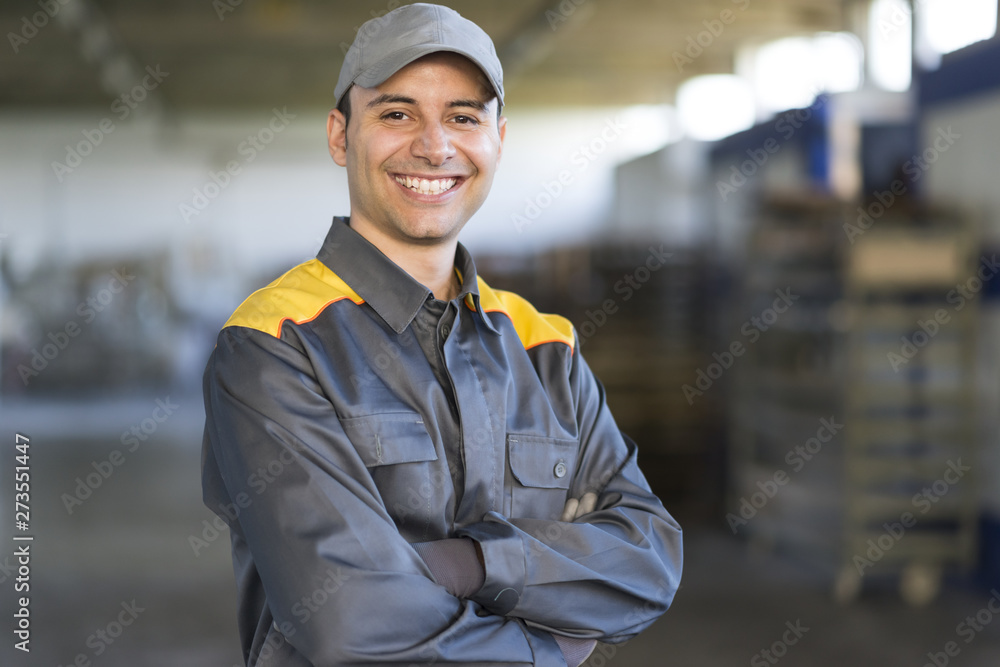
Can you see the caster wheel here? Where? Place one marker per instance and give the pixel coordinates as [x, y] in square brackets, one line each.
[920, 583]
[847, 587]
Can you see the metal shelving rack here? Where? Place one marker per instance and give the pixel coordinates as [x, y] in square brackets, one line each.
[828, 358]
[788, 380]
[910, 403]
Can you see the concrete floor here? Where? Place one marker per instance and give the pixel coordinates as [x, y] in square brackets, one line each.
[129, 541]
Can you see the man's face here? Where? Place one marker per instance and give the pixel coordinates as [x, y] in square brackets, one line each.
[420, 150]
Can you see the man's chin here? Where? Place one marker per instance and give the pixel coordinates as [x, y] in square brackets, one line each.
[432, 238]
[432, 231]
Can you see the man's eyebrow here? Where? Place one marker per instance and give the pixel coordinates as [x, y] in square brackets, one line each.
[392, 98]
[389, 98]
[472, 104]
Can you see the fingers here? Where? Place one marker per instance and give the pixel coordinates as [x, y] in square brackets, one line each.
[569, 511]
[574, 508]
[587, 505]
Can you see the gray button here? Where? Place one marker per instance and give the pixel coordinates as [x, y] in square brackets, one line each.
[445, 330]
[560, 469]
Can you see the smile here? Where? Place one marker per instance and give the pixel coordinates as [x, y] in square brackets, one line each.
[427, 187]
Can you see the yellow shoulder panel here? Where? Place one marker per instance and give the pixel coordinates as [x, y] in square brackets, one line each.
[533, 328]
[300, 296]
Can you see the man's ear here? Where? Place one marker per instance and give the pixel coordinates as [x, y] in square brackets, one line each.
[336, 133]
[502, 129]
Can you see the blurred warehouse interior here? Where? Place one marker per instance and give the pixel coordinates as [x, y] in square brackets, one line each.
[772, 222]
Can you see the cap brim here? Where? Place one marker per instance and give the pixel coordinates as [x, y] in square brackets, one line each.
[381, 71]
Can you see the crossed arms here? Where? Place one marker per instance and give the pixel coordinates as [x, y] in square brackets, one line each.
[604, 570]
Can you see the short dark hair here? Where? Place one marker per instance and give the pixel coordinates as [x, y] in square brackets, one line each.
[344, 105]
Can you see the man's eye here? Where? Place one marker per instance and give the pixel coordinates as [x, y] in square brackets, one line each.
[466, 120]
[395, 115]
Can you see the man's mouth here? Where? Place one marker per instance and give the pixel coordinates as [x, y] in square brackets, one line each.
[425, 186]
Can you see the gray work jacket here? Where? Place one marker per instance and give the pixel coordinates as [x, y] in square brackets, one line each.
[350, 414]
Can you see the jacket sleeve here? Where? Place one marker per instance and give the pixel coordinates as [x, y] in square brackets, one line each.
[610, 573]
[338, 578]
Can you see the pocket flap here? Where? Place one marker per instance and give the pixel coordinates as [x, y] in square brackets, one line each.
[546, 463]
[391, 438]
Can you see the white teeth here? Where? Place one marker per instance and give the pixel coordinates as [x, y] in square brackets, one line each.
[426, 187]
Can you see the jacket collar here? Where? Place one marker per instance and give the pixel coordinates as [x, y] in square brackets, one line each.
[383, 284]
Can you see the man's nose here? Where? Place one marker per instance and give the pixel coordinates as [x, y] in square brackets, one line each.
[433, 144]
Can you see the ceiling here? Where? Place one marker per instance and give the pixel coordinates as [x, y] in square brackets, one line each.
[224, 54]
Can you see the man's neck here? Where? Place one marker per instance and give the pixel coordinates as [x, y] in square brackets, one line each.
[430, 265]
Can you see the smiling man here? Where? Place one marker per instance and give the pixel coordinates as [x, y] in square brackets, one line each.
[425, 143]
[444, 481]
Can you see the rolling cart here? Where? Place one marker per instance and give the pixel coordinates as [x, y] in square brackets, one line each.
[910, 491]
[852, 416]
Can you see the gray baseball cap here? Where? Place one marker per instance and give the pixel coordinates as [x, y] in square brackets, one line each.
[386, 44]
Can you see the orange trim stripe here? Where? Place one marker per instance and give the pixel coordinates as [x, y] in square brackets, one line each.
[543, 342]
[300, 296]
[310, 319]
[303, 293]
[533, 328]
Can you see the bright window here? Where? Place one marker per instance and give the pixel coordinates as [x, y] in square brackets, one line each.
[890, 44]
[948, 25]
[789, 73]
[714, 106]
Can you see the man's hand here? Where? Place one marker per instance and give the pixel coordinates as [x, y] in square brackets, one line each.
[576, 650]
[458, 565]
[574, 508]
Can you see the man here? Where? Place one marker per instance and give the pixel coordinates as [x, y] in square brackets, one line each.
[416, 468]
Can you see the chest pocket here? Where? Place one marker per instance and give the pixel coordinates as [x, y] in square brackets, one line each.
[542, 469]
[414, 485]
[390, 439]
